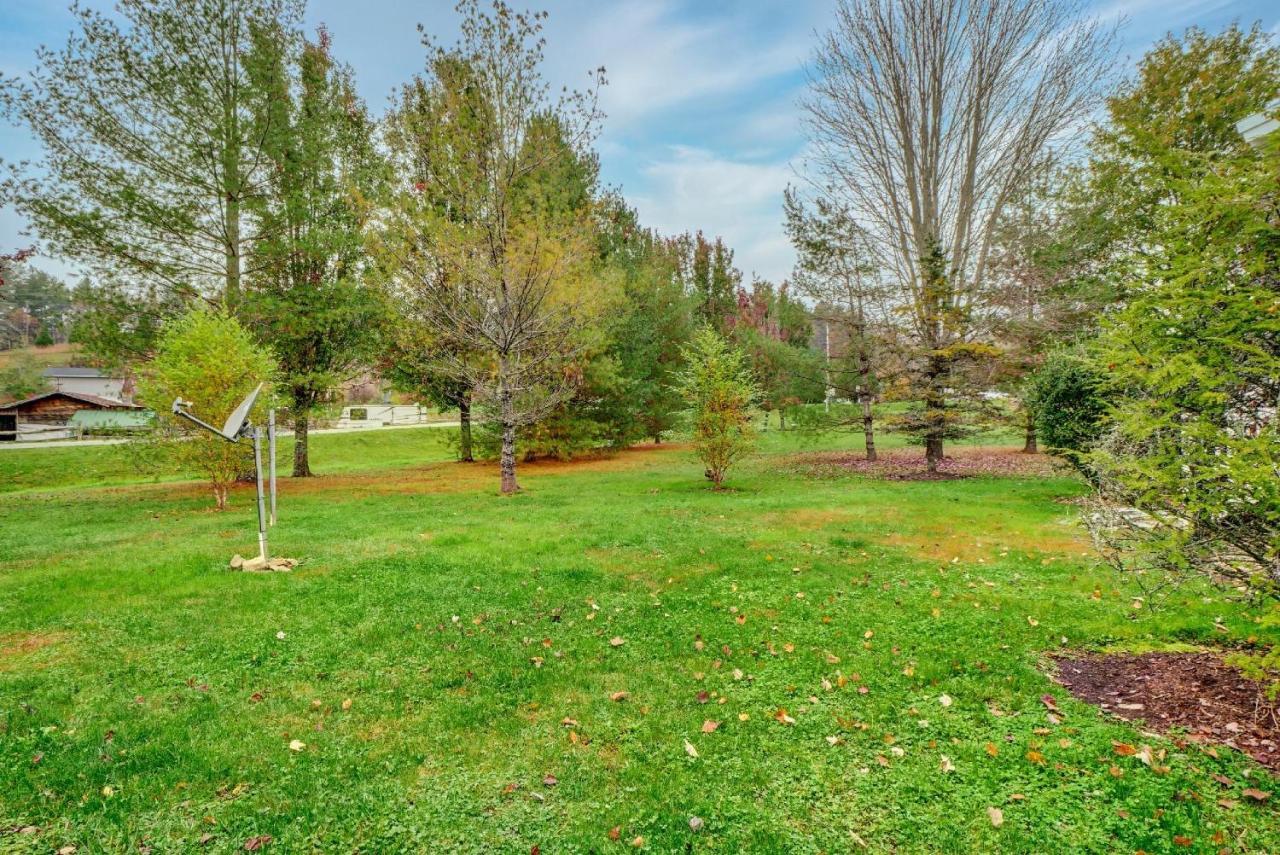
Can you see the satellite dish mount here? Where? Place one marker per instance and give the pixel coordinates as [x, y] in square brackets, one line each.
[237, 427]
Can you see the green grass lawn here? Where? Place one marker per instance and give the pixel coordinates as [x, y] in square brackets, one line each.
[446, 661]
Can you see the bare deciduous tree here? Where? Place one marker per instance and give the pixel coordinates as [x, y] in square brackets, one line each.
[928, 117]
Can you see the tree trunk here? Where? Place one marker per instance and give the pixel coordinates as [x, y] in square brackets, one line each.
[220, 496]
[782, 419]
[868, 426]
[864, 393]
[935, 414]
[1031, 446]
[507, 414]
[464, 420]
[301, 449]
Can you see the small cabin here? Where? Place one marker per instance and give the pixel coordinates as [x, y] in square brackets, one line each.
[53, 415]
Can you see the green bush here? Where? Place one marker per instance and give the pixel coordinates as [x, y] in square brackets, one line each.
[1067, 397]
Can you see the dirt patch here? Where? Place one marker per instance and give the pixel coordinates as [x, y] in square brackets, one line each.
[413, 480]
[1195, 692]
[907, 464]
[16, 647]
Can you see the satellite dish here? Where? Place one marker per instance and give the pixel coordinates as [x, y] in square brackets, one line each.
[236, 420]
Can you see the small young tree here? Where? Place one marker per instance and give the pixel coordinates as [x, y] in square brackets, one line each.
[207, 358]
[720, 390]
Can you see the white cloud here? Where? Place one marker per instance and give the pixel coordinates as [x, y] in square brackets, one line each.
[658, 57]
[740, 201]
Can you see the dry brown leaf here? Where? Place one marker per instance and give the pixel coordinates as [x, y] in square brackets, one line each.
[996, 816]
[710, 726]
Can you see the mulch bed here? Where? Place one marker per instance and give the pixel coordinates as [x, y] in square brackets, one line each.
[907, 464]
[1195, 692]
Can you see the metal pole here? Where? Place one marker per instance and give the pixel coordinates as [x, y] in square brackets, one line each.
[262, 517]
[271, 446]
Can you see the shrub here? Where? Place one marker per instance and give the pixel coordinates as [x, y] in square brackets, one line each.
[1066, 395]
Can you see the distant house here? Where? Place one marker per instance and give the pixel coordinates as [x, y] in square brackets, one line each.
[55, 415]
[88, 381]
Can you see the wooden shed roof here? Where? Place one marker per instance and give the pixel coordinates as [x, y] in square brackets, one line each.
[92, 400]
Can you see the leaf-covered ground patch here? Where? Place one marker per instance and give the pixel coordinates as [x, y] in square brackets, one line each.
[908, 464]
[1196, 694]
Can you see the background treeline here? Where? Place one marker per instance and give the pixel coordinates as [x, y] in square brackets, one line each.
[202, 155]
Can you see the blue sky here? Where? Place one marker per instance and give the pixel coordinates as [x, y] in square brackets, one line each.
[703, 129]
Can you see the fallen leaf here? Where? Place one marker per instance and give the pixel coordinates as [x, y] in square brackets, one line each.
[782, 716]
[695, 824]
[619, 696]
[253, 844]
[1123, 749]
[346, 703]
[638, 841]
[992, 749]
[996, 816]
[1182, 840]
[945, 700]
[710, 726]
[945, 764]
[550, 781]
[689, 749]
[1256, 794]
[1050, 703]
[617, 641]
[297, 745]
[615, 832]
[1035, 757]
